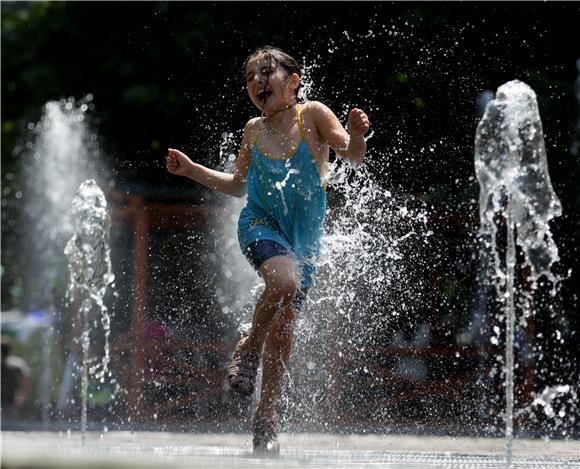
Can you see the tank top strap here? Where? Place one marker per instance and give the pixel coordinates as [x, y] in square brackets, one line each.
[299, 115]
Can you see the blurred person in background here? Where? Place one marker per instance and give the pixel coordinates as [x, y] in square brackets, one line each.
[15, 382]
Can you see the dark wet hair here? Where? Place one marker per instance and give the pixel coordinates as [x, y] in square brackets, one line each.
[286, 61]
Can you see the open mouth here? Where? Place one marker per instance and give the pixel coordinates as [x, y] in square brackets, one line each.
[263, 95]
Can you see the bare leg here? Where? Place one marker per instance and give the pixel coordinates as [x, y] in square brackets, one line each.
[276, 356]
[272, 325]
[279, 274]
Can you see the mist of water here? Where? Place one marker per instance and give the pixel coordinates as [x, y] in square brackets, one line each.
[62, 153]
[240, 285]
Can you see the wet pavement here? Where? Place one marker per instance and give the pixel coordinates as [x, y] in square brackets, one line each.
[36, 450]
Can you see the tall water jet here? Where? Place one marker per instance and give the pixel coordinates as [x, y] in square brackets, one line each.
[515, 190]
[89, 262]
[61, 153]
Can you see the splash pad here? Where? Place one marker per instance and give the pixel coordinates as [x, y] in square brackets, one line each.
[353, 234]
[177, 450]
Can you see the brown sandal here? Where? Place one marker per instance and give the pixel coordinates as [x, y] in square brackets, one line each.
[243, 369]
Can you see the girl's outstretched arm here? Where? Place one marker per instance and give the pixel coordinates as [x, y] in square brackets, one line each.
[350, 145]
[180, 164]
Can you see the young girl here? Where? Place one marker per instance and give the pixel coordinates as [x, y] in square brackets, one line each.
[282, 166]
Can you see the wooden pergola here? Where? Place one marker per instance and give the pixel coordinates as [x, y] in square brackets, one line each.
[143, 215]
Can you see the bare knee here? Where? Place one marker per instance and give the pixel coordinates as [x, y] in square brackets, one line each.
[279, 273]
[281, 291]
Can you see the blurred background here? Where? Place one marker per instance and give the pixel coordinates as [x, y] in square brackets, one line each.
[128, 79]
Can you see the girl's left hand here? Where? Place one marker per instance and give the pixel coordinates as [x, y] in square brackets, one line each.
[358, 123]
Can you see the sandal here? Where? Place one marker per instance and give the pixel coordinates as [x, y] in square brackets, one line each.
[243, 369]
[265, 435]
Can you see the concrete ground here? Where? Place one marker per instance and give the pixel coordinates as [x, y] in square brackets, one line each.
[143, 450]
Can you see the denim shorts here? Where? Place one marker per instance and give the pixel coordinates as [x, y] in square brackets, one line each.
[260, 251]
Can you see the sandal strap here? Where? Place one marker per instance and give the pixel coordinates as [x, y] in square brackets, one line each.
[243, 369]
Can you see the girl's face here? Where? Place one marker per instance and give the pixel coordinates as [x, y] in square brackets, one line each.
[269, 86]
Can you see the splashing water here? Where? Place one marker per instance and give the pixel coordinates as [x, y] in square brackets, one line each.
[306, 80]
[512, 170]
[89, 262]
[575, 147]
[546, 398]
[367, 280]
[281, 184]
[240, 286]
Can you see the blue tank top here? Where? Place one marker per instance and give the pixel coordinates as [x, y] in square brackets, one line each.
[286, 204]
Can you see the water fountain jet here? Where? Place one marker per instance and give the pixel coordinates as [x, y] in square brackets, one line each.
[512, 170]
[89, 260]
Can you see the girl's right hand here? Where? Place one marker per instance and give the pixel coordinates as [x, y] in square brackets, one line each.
[177, 162]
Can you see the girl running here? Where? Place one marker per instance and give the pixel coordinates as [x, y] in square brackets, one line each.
[282, 166]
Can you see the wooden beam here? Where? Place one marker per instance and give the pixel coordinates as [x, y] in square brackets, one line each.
[139, 307]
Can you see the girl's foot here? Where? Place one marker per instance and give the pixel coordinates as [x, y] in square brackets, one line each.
[243, 369]
[265, 435]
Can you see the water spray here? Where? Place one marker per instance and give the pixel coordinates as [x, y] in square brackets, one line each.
[512, 170]
[89, 262]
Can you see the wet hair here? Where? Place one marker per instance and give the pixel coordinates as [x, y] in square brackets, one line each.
[281, 58]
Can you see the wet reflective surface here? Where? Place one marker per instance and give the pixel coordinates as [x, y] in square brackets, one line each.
[177, 450]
